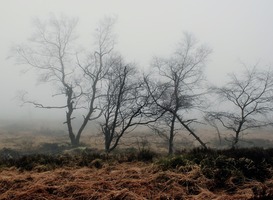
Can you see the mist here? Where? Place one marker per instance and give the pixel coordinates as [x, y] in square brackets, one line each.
[128, 99]
[236, 31]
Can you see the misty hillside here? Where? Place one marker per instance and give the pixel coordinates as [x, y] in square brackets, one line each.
[136, 99]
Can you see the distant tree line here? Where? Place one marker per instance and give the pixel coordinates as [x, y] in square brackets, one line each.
[100, 84]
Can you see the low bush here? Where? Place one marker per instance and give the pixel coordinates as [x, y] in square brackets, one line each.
[221, 169]
[224, 167]
[172, 162]
[145, 155]
[86, 157]
[198, 154]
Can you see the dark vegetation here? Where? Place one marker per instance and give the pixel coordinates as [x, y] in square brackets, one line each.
[219, 165]
[52, 156]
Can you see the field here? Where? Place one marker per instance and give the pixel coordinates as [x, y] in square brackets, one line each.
[43, 166]
[122, 181]
[85, 174]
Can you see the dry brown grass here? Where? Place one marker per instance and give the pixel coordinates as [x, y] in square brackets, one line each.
[120, 181]
[135, 180]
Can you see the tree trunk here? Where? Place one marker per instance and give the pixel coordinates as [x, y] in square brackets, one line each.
[73, 140]
[171, 135]
[107, 146]
[191, 132]
[236, 140]
[107, 141]
[237, 132]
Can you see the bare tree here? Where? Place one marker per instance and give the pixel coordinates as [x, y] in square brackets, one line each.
[249, 101]
[180, 77]
[53, 54]
[126, 103]
[97, 67]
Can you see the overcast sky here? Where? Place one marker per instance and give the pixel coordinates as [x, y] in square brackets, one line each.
[236, 30]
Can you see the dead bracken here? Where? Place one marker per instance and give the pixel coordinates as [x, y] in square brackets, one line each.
[128, 180]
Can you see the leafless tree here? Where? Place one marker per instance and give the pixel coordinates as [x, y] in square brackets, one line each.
[249, 101]
[126, 103]
[177, 90]
[52, 52]
[97, 67]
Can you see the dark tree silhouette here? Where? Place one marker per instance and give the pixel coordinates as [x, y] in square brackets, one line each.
[176, 91]
[126, 103]
[52, 52]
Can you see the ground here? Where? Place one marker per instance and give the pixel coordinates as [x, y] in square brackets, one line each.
[228, 175]
[128, 180]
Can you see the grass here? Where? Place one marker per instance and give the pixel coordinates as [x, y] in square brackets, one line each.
[138, 174]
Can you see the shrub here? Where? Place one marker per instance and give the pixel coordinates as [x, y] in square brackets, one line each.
[198, 154]
[172, 162]
[220, 169]
[145, 155]
[86, 157]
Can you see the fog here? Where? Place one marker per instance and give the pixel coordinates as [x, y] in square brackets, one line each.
[236, 30]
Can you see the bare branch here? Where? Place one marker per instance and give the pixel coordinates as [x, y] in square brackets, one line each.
[251, 96]
[180, 79]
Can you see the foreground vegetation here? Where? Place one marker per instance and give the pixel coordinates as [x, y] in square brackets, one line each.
[137, 174]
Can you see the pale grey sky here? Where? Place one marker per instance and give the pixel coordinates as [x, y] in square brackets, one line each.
[236, 30]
